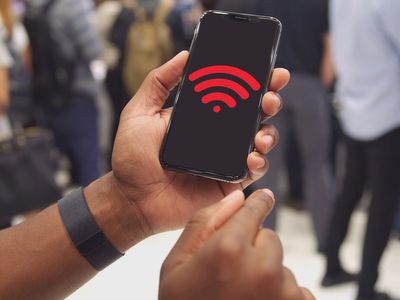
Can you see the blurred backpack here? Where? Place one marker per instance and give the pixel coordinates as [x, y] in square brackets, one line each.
[53, 70]
[148, 45]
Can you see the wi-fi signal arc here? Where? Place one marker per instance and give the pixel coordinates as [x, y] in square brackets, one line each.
[249, 79]
[224, 83]
[223, 97]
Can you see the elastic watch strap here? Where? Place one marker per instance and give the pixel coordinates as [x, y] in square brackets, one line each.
[84, 232]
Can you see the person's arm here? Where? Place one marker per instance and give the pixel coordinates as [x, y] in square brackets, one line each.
[328, 72]
[39, 261]
[139, 198]
[223, 254]
[4, 89]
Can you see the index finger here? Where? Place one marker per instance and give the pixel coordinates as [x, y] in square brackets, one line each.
[245, 224]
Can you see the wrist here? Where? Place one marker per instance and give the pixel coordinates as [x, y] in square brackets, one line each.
[120, 219]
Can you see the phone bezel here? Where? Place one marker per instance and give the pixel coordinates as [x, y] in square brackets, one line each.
[239, 17]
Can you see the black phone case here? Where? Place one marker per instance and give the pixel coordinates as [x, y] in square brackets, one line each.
[211, 175]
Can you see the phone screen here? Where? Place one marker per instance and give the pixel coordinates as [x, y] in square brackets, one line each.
[216, 115]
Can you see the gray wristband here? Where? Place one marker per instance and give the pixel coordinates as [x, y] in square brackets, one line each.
[85, 233]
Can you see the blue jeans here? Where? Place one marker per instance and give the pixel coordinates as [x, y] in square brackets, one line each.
[76, 134]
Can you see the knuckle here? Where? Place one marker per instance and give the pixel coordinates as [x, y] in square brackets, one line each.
[158, 88]
[271, 236]
[268, 273]
[201, 223]
[164, 267]
[201, 216]
[229, 248]
[152, 75]
[252, 210]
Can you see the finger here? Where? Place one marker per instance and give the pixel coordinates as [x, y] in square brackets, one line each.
[272, 103]
[156, 88]
[307, 294]
[245, 224]
[206, 222]
[258, 166]
[290, 288]
[269, 242]
[266, 139]
[280, 78]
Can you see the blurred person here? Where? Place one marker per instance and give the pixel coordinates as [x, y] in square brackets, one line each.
[183, 21]
[304, 50]
[143, 41]
[366, 46]
[64, 44]
[222, 245]
[21, 108]
[295, 194]
[5, 63]
[240, 6]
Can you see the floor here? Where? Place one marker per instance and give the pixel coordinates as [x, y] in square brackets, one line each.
[136, 275]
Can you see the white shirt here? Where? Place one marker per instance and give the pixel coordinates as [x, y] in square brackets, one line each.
[366, 41]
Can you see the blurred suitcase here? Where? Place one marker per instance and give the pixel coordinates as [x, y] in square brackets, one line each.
[27, 172]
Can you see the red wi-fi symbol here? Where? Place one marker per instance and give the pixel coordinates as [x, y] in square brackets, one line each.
[223, 83]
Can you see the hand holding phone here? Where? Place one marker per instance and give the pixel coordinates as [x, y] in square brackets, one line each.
[218, 106]
[167, 199]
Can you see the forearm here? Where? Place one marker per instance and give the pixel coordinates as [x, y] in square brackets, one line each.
[328, 72]
[39, 261]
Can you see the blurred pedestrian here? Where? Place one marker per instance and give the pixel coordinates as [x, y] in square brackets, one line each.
[143, 41]
[6, 62]
[235, 5]
[5, 57]
[183, 21]
[20, 108]
[367, 51]
[304, 50]
[64, 44]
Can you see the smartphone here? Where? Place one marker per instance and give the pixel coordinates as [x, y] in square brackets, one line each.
[217, 110]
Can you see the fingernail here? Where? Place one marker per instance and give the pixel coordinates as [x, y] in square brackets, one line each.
[270, 194]
[268, 141]
[280, 101]
[260, 163]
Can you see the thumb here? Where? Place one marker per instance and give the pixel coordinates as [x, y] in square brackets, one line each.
[204, 224]
[155, 89]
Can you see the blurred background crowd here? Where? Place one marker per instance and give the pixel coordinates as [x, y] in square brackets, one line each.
[68, 68]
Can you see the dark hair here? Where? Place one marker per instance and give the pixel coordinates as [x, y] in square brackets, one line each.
[208, 4]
